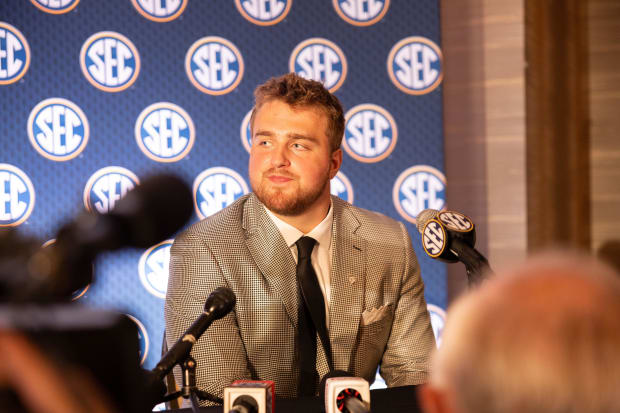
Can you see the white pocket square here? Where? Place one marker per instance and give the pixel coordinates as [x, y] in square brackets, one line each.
[374, 314]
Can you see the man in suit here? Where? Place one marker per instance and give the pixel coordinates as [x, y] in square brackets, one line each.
[540, 338]
[371, 295]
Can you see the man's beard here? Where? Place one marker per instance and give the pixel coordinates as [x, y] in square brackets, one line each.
[288, 203]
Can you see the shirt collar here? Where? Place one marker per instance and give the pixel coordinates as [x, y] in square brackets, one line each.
[322, 233]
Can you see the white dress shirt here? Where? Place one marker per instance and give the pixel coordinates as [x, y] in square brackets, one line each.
[321, 254]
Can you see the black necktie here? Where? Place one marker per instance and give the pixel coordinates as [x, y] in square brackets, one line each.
[311, 318]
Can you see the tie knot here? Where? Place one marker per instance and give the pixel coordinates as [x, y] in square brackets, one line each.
[304, 247]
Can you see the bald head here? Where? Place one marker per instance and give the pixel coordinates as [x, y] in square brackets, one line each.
[544, 337]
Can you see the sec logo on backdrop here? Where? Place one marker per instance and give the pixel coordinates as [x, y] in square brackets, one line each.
[438, 321]
[264, 12]
[321, 60]
[415, 65]
[214, 65]
[165, 132]
[361, 12]
[246, 132]
[106, 187]
[143, 339]
[110, 61]
[16, 196]
[418, 188]
[370, 133]
[341, 187]
[215, 189]
[58, 129]
[153, 268]
[14, 54]
[55, 6]
[160, 10]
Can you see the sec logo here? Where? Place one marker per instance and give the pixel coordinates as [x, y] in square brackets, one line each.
[370, 133]
[110, 61]
[106, 187]
[341, 187]
[153, 268]
[58, 129]
[361, 12]
[434, 238]
[143, 339]
[216, 188]
[214, 65]
[264, 12]
[165, 132]
[321, 60]
[418, 188]
[160, 10]
[246, 132]
[438, 321]
[415, 65]
[14, 54]
[16, 196]
[55, 6]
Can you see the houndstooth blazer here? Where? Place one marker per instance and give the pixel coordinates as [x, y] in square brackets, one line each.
[377, 310]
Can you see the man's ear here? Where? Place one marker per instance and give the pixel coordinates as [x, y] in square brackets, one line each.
[335, 162]
[432, 399]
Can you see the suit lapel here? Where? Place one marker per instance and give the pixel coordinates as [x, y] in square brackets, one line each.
[347, 283]
[271, 254]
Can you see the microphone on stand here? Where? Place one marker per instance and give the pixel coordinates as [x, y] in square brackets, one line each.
[450, 236]
[219, 303]
[344, 393]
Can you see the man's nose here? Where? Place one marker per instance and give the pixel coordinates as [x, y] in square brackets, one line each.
[279, 156]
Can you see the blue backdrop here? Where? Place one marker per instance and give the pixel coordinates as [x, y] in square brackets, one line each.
[96, 94]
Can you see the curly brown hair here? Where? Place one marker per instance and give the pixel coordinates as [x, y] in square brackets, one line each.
[300, 92]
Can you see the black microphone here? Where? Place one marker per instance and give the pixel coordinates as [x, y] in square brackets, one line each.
[219, 303]
[244, 404]
[153, 211]
[344, 393]
[450, 236]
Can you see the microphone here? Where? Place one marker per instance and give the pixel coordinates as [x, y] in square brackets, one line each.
[344, 393]
[148, 214]
[219, 303]
[249, 396]
[450, 237]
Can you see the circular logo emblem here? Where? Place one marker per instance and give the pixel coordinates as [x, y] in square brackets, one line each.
[160, 10]
[214, 65]
[264, 12]
[434, 238]
[16, 196]
[106, 187]
[110, 61]
[55, 6]
[418, 188]
[14, 54]
[246, 132]
[438, 321]
[415, 65]
[341, 187]
[215, 189]
[370, 133]
[143, 339]
[165, 132]
[58, 129]
[456, 221]
[361, 12]
[321, 60]
[153, 268]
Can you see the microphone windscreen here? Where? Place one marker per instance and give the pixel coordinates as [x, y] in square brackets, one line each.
[425, 216]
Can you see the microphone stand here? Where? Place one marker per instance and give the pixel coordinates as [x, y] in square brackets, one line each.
[189, 390]
[476, 265]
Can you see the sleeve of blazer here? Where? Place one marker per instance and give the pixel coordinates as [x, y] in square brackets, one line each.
[219, 353]
[406, 357]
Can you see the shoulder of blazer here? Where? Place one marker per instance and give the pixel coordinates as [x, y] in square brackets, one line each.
[370, 223]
